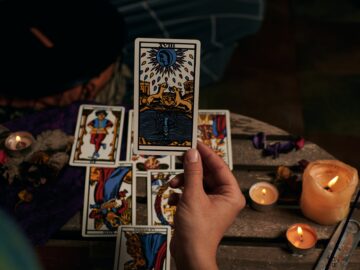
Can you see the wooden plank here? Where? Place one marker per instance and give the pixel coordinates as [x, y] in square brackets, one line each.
[241, 124]
[88, 253]
[99, 254]
[244, 153]
[249, 223]
[271, 258]
[141, 187]
[271, 224]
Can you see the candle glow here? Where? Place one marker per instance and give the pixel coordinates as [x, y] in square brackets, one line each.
[300, 233]
[327, 201]
[333, 181]
[263, 191]
[301, 237]
[263, 195]
[18, 141]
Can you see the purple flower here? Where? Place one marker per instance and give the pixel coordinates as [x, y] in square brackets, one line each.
[274, 149]
[259, 140]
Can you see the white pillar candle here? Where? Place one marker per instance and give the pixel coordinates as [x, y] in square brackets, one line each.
[327, 188]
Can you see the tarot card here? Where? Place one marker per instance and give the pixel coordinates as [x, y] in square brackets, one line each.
[109, 200]
[143, 163]
[143, 247]
[98, 136]
[166, 90]
[214, 130]
[162, 199]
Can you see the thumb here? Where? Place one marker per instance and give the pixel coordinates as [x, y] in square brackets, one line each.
[193, 173]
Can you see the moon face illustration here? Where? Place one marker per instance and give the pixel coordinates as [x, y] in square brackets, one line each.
[166, 57]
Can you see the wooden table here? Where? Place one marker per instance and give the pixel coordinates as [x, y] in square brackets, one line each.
[256, 240]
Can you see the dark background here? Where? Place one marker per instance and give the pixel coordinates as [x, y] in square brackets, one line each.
[300, 72]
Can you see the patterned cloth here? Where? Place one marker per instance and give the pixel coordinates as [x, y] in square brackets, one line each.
[15, 251]
[218, 25]
[54, 203]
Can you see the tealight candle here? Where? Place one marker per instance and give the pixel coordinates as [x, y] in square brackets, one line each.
[327, 188]
[19, 142]
[263, 196]
[301, 237]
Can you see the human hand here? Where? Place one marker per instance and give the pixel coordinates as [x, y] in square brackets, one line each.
[210, 202]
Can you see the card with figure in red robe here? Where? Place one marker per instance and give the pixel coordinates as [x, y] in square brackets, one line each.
[98, 136]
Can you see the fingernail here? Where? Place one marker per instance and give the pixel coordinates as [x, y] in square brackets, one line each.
[192, 156]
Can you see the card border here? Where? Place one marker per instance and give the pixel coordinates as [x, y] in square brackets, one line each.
[129, 150]
[228, 129]
[150, 219]
[86, 198]
[165, 150]
[118, 243]
[77, 129]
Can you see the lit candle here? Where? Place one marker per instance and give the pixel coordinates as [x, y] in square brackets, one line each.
[263, 196]
[327, 188]
[331, 183]
[301, 237]
[19, 142]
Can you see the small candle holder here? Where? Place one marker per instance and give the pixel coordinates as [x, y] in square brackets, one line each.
[301, 238]
[19, 143]
[263, 196]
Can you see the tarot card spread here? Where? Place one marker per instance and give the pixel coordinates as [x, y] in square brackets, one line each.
[162, 199]
[143, 163]
[97, 136]
[166, 81]
[109, 200]
[142, 247]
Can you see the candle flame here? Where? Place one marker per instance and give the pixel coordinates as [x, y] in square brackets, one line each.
[263, 191]
[17, 138]
[299, 231]
[333, 181]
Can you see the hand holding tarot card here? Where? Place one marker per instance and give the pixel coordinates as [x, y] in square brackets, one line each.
[166, 89]
[166, 123]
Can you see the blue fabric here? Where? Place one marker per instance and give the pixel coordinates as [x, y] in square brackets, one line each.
[100, 123]
[151, 244]
[15, 251]
[113, 184]
[218, 25]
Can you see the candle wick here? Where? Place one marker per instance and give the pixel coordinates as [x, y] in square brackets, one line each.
[328, 188]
